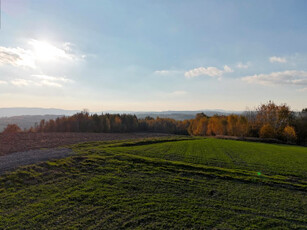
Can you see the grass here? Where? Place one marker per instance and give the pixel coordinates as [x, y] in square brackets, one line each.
[266, 158]
[164, 183]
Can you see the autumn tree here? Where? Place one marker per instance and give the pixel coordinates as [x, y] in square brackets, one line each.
[267, 121]
[232, 121]
[202, 126]
[252, 124]
[300, 125]
[277, 116]
[12, 128]
[289, 134]
[199, 125]
[217, 125]
[242, 126]
[267, 131]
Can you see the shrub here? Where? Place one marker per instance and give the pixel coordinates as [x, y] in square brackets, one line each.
[289, 134]
[267, 131]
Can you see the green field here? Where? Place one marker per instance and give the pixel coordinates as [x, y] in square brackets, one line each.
[165, 183]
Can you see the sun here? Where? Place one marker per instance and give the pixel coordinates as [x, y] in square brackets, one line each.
[44, 51]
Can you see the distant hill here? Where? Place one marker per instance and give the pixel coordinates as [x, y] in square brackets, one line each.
[183, 115]
[20, 111]
[25, 122]
[180, 115]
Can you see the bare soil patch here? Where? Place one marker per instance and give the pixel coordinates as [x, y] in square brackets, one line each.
[19, 142]
[12, 161]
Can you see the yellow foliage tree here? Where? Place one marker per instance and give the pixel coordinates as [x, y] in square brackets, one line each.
[217, 125]
[201, 128]
[232, 121]
[289, 134]
[267, 131]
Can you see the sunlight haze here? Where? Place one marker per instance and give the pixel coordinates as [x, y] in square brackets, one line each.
[152, 55]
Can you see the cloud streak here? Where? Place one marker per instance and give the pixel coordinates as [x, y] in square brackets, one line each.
[41, 80]
[51, 78]
[166, 72]
[209, 71]
[277, 59]
[16, 57]
[3, 82]
[288, 77]
[22, 82]
[240, 65]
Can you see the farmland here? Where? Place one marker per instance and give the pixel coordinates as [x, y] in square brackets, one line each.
[165, 182]
[16, 142]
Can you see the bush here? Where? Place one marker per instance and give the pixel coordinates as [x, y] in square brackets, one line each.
[267, 131]
[289, 134]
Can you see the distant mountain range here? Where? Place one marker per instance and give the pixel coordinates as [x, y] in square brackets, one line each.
[20, 111]
[24, 122]
[183, 115]
[28, 117]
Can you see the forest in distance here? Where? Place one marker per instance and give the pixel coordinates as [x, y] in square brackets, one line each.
[267, 121]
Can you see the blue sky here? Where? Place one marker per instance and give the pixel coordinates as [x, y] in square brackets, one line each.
[153, 55]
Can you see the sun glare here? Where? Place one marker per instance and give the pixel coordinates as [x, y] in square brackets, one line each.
[44, 51]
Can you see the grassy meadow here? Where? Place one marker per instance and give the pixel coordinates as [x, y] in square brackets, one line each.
[161, 183]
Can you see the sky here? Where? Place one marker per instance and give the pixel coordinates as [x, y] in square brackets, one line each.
[153, 55]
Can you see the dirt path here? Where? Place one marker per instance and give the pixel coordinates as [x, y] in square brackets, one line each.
[13, 161]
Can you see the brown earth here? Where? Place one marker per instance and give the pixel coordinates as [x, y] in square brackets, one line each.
[18, 142]
[12, 161]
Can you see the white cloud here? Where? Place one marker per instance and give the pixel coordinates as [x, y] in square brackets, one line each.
[209, 71]
[227, 69]
[166, 72]
[277, 59]
[21, 82]
[51, 78]
[41, 80]
[39, 51]
[240, 65]
[3, 82]
[16, 57]
[49, 83]
[288, 77]
[67, 46]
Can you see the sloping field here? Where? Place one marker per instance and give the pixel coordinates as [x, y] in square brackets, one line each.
[259, 157]
[163, 183]
[12, 161]
[18, 142]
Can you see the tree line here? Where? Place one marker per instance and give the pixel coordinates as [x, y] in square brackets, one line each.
[266, 121]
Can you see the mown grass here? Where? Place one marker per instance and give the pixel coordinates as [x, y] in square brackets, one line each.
[165, 183]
